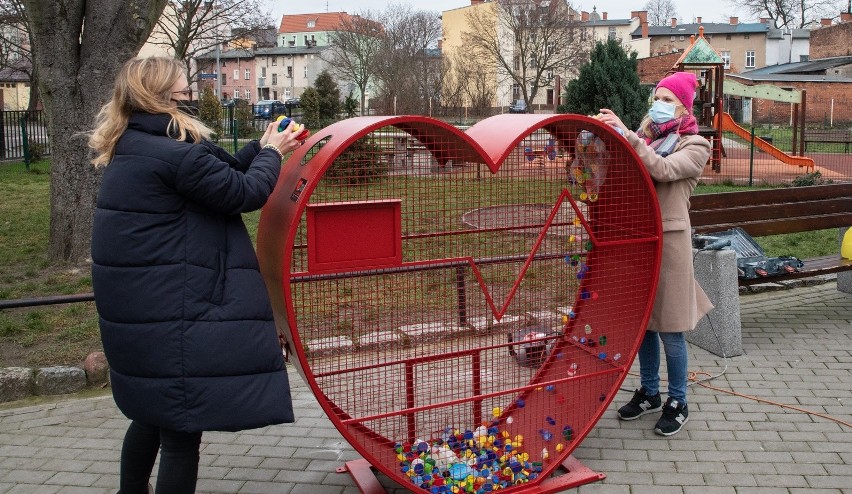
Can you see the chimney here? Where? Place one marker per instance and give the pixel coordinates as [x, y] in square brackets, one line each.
[634, 14]
[846, 17]
[698, 20]
[584, 16]
[604, 16]
[825, 21]
[735, 21]
[765, 20]
[644, 29]
[674, 21]
[643, 16]
[476, 2]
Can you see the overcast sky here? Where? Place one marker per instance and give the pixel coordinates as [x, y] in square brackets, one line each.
[687, 10]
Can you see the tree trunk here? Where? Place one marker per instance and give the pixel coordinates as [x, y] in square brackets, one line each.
[76, 70]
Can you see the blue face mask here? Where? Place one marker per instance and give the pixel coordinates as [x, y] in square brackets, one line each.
[661, 112]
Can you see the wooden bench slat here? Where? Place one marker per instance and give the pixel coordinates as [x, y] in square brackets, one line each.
[771, 212]
[782, 225]
[725, 200]
[812, 267]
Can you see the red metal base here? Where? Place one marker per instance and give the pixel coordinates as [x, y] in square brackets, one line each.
[576, 474]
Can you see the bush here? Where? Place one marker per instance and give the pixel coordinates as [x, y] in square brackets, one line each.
[37, 151]
[360, 164]
[807, 179]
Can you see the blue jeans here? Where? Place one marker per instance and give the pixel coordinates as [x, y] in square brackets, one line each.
[674, 345]
[179, 454]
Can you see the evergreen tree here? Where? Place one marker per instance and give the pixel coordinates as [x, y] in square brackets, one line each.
[310, 103]
[329, 98]
[608, 80]
[210, 111]
[350, 106]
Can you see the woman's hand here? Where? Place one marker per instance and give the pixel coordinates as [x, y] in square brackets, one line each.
[285, 140]
[608, 117]
[272, 127]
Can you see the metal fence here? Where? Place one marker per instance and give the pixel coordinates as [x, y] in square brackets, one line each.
[743, 162]
[24, 135]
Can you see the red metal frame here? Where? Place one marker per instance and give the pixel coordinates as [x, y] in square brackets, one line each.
[621, 226]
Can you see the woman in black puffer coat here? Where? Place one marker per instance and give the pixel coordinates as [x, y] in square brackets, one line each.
[185, 318]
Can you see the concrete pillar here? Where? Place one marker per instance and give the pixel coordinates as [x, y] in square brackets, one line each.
[720, 332]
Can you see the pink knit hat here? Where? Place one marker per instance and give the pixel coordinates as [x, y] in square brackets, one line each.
[683, 85]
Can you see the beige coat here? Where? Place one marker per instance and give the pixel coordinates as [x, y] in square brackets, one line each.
[680, 302]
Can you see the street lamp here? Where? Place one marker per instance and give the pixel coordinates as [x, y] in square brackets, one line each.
[208, 4]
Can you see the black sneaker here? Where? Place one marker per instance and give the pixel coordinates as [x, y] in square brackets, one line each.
[675, 414]
[640, 405]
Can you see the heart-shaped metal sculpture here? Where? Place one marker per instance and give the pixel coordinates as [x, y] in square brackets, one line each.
[464, 305]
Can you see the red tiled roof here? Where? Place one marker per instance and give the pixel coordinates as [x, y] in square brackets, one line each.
[298, 23]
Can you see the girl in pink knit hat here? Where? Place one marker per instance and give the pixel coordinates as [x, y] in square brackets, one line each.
[675, 155]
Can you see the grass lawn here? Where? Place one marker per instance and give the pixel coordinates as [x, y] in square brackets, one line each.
[65, 334]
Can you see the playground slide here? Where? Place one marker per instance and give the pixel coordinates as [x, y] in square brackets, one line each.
[729, 125]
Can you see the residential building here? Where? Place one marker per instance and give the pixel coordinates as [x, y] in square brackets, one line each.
[15, 88]
[742, 46]
[601, 28]
[787, 46]
[455, 23]
[826, 78]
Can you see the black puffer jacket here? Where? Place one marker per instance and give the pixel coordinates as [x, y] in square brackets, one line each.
[184, 313]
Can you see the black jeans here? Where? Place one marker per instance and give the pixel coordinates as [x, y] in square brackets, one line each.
[179, 455]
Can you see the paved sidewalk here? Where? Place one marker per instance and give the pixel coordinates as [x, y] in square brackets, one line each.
[798, 346]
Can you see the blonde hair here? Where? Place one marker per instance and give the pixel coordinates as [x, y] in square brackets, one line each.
[145, 85]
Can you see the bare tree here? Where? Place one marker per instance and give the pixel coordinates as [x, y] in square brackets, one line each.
[76, 68]
[793, 14]
[353, 49]
[408, 64]
[192, 27]
[660, 12]
[16, 46]
[529, 42]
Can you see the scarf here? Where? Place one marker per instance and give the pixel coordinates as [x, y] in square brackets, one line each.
[685, 125]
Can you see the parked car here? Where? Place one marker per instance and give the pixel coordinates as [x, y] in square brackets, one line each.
[229, 103]
[292, 102]
[269, 108]
[518, 106]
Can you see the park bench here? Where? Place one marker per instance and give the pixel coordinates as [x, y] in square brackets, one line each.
[776, 211]
[841, 136]
[760, 213]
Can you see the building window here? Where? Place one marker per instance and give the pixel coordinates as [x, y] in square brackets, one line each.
[612, 34]
[746, 36]
[290, 72]
[247, 94]
[248, 74]
[682, 38]
[312, 24]
[274, 61]
[224, 81]
[726, 57]
[236, 74]
[306, 71]
[263, 72]
[749, 61]
[728, 36]
[274, 79]
[673, 38]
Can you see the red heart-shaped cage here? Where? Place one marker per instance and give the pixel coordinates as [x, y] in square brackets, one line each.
[464, 305]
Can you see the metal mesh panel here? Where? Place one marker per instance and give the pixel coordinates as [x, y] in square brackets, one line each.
[464, 305]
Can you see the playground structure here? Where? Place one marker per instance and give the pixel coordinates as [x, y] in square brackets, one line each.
[464, 316]
[725, 123]
[714, 121]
